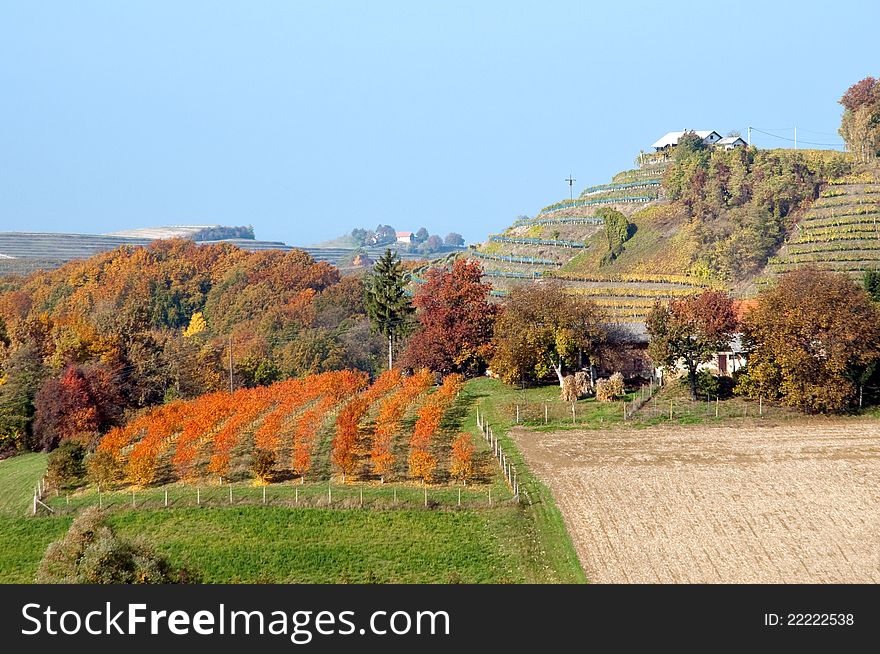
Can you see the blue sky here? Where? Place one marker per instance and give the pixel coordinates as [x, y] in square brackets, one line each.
[309, 119]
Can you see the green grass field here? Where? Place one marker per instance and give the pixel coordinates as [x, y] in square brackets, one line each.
[382, 542]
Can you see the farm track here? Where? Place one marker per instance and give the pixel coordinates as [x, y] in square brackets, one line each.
[792, 503]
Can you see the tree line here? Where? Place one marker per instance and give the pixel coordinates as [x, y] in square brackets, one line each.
[811, 341]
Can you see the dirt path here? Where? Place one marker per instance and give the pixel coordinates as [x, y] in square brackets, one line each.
[798, 503]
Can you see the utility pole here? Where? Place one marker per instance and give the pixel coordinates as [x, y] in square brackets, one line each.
[571, 182]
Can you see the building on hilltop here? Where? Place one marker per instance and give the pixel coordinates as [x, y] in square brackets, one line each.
[404, 237]
[731, 142]
[670, 139]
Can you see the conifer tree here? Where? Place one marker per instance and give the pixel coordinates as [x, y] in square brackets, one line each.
[387, 304]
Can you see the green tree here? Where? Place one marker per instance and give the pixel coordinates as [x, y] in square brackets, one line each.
[617, 232]
[690, 331]
[872, 283]
[24, 376]
[386, 301]
[544, 330]
[65, 467]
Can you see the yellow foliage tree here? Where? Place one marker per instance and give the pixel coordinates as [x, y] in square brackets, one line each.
[197, 325]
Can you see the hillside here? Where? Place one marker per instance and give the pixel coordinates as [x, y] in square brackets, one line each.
[699, 218]
[566, 241]
[839, 231]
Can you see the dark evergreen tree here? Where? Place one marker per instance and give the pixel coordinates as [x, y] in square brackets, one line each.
[872, 283]
[386, 301]
[24, 376]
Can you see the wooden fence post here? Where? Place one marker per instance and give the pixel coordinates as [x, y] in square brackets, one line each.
[166, 498]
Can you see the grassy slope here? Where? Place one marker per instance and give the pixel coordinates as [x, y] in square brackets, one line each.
[252, 543]
[661, 245]
[23, 539]
[546, 528]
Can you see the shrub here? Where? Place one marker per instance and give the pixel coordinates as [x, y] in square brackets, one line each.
[707, 384]
[262, 464]
[91, 553]
[103, 469]
[608, 390]
[65, 468]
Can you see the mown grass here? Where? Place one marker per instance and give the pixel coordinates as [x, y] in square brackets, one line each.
[23, 539]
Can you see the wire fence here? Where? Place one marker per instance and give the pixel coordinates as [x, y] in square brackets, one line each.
[571, 204]
[639, 406]
[293, 495]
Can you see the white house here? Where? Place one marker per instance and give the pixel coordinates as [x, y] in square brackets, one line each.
[404, 237]
[670, 139]
[731, 142]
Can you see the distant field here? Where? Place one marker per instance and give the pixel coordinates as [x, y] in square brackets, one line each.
[792, 503]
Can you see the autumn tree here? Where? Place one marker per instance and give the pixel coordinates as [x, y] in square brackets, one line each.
[544, 330]
[197, 325]
[386, 301]
[812, 338]
[455, 321]
[860, 124]
[690, 331]
[82, 401]
[461, 460]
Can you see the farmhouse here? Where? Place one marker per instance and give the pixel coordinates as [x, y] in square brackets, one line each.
[670, 139]
[404, 237]
[731, 142]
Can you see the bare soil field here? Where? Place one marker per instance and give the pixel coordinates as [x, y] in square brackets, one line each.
[789, 503]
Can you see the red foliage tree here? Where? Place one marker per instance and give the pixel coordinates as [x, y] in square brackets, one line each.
[82, 401]
[456, 321]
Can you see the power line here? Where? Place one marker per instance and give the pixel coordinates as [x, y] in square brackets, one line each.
[785, 138]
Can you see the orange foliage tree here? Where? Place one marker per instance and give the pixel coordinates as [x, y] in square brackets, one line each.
[461, 460]
[205, 416]
[334, 387]
[160, 433]
[421, 461]
[391, 412]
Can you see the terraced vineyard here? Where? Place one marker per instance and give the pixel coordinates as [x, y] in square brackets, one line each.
[840, 231]
[566, 241]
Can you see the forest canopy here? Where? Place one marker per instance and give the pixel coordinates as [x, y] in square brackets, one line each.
[158, 323]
